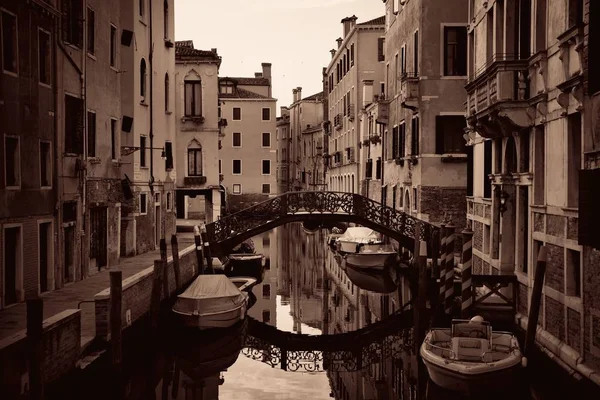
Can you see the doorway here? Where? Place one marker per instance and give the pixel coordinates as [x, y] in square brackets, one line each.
[157, 226]
[98, 236]
[45, 255]
[68, 255]
[180, 204]
[12, 265]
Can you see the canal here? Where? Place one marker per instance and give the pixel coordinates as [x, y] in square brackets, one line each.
[305, 293]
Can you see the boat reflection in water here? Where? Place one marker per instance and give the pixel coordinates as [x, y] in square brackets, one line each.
[384, 280]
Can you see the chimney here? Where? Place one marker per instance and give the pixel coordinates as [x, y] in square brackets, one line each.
[284, 111]
[339, 42]
[266, 73]
[299, 89]
[332, 51]
[295, 95]
[214, 50]
[258, 75]
[367, 92]
[349, 23]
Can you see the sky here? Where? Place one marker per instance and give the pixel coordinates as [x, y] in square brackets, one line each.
[295, 36]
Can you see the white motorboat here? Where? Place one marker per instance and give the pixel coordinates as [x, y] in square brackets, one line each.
[357, 239]
[372, 256]
[470, 357]
[243, 283]
[211, 301]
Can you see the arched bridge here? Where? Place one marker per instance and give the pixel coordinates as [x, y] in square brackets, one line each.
[350, 351]
[233, 229]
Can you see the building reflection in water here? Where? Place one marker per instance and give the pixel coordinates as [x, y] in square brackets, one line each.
[266, 292]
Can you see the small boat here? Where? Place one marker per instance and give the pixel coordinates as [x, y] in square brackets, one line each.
[358, 238]
[471, 358]
[247, 265]
[384, 280]
[243, 283]
[372, 256]
[211, 301]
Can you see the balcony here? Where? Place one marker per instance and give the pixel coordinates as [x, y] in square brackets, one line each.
[194, 181]
[338, 121]
[497, 97]
[350, 111]
[409, 90]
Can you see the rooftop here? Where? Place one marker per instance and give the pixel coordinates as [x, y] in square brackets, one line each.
[185, 49]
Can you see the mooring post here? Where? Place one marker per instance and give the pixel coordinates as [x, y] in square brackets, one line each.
[198, 243]
[115, 300]
[442, 287]
[414, 275]
[156, 294]
[449, 297]
[421, 318]
[175, 253]
[206, 248]
[165, 270]
[536, 300]
[432, 288]
[467, 285]
[35, 323]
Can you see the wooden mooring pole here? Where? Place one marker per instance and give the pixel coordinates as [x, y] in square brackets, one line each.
[536, 300]
[175, 253]
[206, 249]
[467, 284]
[449, 296]
[442, 276]
[35, 323]
[165, 272]
[198, 243]
[421, 318]
[116, 295]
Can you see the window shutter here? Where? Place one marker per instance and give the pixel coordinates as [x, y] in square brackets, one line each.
[64, 19]
[589, 215]
[79, 128]
[469, 151]
[380, 50]
[439, 134]
[169, 154]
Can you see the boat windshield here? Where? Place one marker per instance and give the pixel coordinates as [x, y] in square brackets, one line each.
[470, 329]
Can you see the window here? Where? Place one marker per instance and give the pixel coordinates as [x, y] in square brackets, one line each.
[169, 201]
[113, 46]
[403, 60]
[169, 156]
[455, 51]
[220, 166]
[72, 22]
[193, 98]
[574, 159]
[91, 134]
[237, 114]
[266, 139]
[44, 57]
[91, 31]
[237, 167]
[266, 188]
[141, 7]
[266, 167]
[380, 49]
[352, 54]
[166, 19]
[166, 92]
[378, 168]
[195, 161]
[575, 12]
[416, 53]
[237, 188]
[268, 263]
[266, 114]
[487, 168]
[227, 87]
[369, 169]
[266, 316]
[143, 151]
[415, 199]
[114, 140]
[237, 139]
[73, 125]
[573, 273]
[449, 134]
[266, 291]
[143, 203]
[12, 161]
[45, 164]
[593, 43]
[143, 77]
[402, 141]
[414, 146]
[9, 42]
[539, 165]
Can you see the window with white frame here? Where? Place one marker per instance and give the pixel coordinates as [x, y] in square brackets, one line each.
[266, 188]
[169, 201]
[91, 31]
[237, 167]
[10, 53]
[237, 188]
[237, 114]
[266, 139]
[266, 114]
[12, 161]
[113, 46]
[236, 139]
[193, 98]
[266, 167]
[44, 57]
[195, 159]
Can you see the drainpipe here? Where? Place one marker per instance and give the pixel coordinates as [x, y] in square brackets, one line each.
[151, 105]
[55, 173]
[83, 172]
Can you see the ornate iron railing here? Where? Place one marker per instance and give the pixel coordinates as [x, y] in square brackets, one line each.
[300, 206]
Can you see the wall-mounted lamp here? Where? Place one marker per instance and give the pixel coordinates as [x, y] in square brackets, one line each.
[503, 199]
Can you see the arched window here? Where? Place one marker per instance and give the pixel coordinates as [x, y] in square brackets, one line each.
[406, 201]
[166, 91]
[143, 79]
[194, 159]
[166, 18]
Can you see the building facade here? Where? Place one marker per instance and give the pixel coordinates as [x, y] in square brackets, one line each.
[358, 56]
[423, 150]
[198, 132]
[248, 149]
[282, 136]
[527, 117]
[28, 127]
[305, 162]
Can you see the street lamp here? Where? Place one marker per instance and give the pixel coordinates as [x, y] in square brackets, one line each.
[127, 150]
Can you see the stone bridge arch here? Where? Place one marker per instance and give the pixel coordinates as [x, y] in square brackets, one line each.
[233, 229]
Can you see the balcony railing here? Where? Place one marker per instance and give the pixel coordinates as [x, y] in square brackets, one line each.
[338, 121]
[350, 111]
[409, 90]
[194, 180]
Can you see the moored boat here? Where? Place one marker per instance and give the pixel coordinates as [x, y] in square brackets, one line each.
[372, 257]
[243, 283]
[471, 358]
[358, 238]
[211, 301]
[247, 265]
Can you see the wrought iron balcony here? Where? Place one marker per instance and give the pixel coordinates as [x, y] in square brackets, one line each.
[497, 96]
[338, 121]
[409, 90]
[350, 111]
[194, 180]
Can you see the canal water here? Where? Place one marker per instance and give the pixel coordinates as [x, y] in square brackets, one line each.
[305, 293]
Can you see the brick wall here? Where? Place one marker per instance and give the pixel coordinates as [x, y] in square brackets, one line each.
[61, 344]
[573, 329]
[555, 267]
[440, 204]
[555, 318]
[137, 291]
[522, 306]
